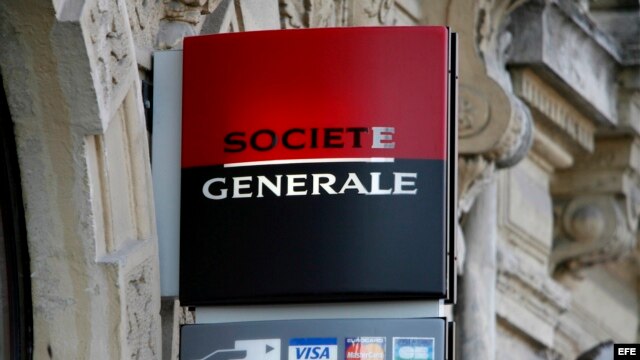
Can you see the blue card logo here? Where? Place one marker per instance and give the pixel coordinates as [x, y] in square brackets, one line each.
[313, 349]
[413, 348]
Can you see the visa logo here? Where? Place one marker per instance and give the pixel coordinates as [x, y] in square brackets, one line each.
[313, 349]
[312, 353]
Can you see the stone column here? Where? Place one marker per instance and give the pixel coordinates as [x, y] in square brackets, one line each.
[494, 132]
[477, 287]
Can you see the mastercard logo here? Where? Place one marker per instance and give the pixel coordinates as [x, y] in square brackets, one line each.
[365, 351]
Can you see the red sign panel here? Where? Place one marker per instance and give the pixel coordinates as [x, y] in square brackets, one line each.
[316, 79]
[314, 165]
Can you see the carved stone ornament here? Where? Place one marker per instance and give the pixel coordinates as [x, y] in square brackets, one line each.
[474, 112]
[493, 121]
[181, 18]
[109, 45]
[597, 204]
[474, 173]
[296, 14]
[378, 10]
[495, 126]
[592, 229]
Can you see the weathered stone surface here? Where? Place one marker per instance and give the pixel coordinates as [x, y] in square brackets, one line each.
[258, 15]
[629, 100]
[547, 153]
[555, 113]
[118, 170]
[371, 12]
[510, 341]
[598, 204]
[142, 312]
[492, 121]
[68, 99]
[527, 298]
[317, 13]
[182, 18]
[592, 229]
[144, 19]
[222, 20]
[494, 129]
[173, 315]
[602, 309]
[109, 43]
[613, 24]
[556, 47]
[477, 296]
[326, 13]
[474, 175]
[526, 214]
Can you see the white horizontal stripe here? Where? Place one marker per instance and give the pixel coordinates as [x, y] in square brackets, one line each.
[308, 161]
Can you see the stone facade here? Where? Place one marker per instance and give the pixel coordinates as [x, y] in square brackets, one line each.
[548, 166]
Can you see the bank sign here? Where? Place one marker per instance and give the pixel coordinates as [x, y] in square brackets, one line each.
[315, 165]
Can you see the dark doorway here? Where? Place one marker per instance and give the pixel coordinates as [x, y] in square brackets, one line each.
[16, 324]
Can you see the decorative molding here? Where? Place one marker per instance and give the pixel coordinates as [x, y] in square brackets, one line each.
[540, 285]
[323, 14]
[223, 19]
[554, 108]
[492, 41]
[525, 211]
[551, 155]
[378, 10]
[474, 173]
[528, 299]
[109, 42]
[597, 205]
[612, 154]
[577, 331]
[182, 18]
[493, 122]
[592, 229]
[473, 113]
[296, 14]
[409, 11]
[144, 18]
[120, 178]
[516, 141]
[188, 11]
[629, 109]
[546, 36]
[495, 127]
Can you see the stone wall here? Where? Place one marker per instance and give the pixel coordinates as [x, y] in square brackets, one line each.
[548, 174]
[72, 85]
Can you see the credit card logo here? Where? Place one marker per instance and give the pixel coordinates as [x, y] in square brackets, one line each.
[413, 348]
[367, 348]
[313, 349]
